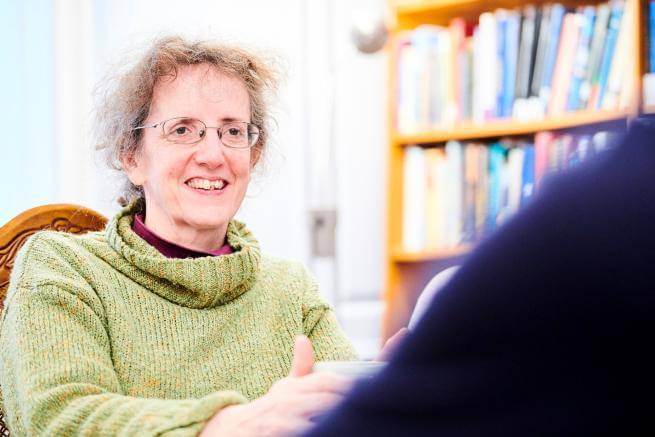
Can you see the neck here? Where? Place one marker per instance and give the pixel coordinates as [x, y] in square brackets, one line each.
[185, 235]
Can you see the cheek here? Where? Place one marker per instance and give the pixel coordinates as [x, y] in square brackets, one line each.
[241, 166]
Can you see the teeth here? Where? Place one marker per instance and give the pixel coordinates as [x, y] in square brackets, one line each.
[205, 184]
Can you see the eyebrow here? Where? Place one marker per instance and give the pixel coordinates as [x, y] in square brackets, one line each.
[228, 119]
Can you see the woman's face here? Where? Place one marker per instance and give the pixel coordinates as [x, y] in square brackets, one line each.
[168, 172]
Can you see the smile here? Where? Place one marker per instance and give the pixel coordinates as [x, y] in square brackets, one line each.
[206, 184]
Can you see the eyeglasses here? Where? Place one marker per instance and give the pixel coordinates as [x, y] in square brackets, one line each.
[186, 130]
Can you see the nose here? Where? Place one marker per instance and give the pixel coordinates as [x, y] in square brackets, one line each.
[209, 150]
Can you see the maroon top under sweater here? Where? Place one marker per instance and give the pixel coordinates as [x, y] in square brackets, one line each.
[172, 250]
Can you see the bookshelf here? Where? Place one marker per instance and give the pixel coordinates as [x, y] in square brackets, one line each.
[408, 271]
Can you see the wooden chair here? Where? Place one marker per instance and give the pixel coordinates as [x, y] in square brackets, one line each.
[59, 217]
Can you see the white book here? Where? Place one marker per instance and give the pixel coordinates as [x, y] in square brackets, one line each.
[515, 176]
[454, 194]
[488, 74]
[408, 67]
[414, 196]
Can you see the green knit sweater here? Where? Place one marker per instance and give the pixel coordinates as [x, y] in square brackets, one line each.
[103, 335]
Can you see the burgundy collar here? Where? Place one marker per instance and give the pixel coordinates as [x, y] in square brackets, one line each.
[172, 250]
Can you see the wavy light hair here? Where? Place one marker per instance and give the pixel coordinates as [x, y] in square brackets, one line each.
[124, 98]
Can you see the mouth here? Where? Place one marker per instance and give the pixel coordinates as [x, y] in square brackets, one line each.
[207, 185]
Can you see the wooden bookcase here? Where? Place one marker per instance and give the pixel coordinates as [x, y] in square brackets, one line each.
[408, 272]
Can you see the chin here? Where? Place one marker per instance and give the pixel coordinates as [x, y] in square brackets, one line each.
[207, 222]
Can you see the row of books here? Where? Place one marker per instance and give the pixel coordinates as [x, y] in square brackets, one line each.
[650, 40]
[524, 64]
[460, 192]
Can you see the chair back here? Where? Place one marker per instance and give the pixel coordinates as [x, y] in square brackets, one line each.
[58, 217]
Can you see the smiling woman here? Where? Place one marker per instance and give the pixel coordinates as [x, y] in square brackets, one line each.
[170, 320]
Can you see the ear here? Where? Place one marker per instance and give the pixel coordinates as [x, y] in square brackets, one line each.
[255, 154]
[133, 168]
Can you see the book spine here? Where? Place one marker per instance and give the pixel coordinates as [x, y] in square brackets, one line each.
[608, 53]
[564, 66]
[595, 56]
[501, 60]
[488, 53]
[414, 199]
[555, 28]
[510, 62]
[581, 62]
[542, 49]
[651, 36]
[527, 176]
[526, 53]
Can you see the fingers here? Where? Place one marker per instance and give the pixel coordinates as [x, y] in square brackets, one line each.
[392, 344]
[303, 357]
[325, 382]
[316, 404]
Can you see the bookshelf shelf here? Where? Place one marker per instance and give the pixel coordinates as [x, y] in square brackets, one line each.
[407, 272]
[494, 129]
[411, 13]
[402, 256]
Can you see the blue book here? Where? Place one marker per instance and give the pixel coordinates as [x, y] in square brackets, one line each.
[512, 30]
[581, 61]
[501, 44]
[556, 18]
[495, 199]
[527, 178]
[651, 36]
[608, 54]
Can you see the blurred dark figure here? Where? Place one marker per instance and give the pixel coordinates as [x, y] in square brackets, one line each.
[545, 330]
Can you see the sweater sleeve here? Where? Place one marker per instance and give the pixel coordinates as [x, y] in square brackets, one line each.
[56, 370]
[322, 328]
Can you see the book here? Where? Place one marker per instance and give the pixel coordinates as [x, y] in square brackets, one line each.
[414, 195]
[543, 41]
[496, 185]
[556, 19]
[459, 68]
[542, 141]
[527, 48]
[598, 90]
[620, 64]
[564, 63]
[471, 187]
[453, 193]
[651, 36]
[434, 200]
[510, 61]
[407, 90]
[482, 196]
[581, 60]
[515, 159]
[487, 79]
[528, 174]
[595, 54]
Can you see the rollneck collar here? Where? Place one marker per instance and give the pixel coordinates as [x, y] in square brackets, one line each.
[203, 282]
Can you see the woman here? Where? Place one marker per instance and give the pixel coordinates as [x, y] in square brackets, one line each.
[171, 320]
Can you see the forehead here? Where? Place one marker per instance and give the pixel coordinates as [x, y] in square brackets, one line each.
[201, 91]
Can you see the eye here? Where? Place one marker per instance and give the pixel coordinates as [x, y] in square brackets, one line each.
[234, 131]
[183, 130]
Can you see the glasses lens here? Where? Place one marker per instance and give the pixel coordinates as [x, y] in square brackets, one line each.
[238, 135]
[184, 130]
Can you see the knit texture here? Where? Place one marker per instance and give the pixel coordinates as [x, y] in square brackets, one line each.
[103, 335]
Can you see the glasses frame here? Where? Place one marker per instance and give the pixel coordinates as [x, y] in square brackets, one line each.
[219, 131]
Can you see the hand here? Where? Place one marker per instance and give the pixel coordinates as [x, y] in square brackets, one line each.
[290, 404]
[392, 344]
